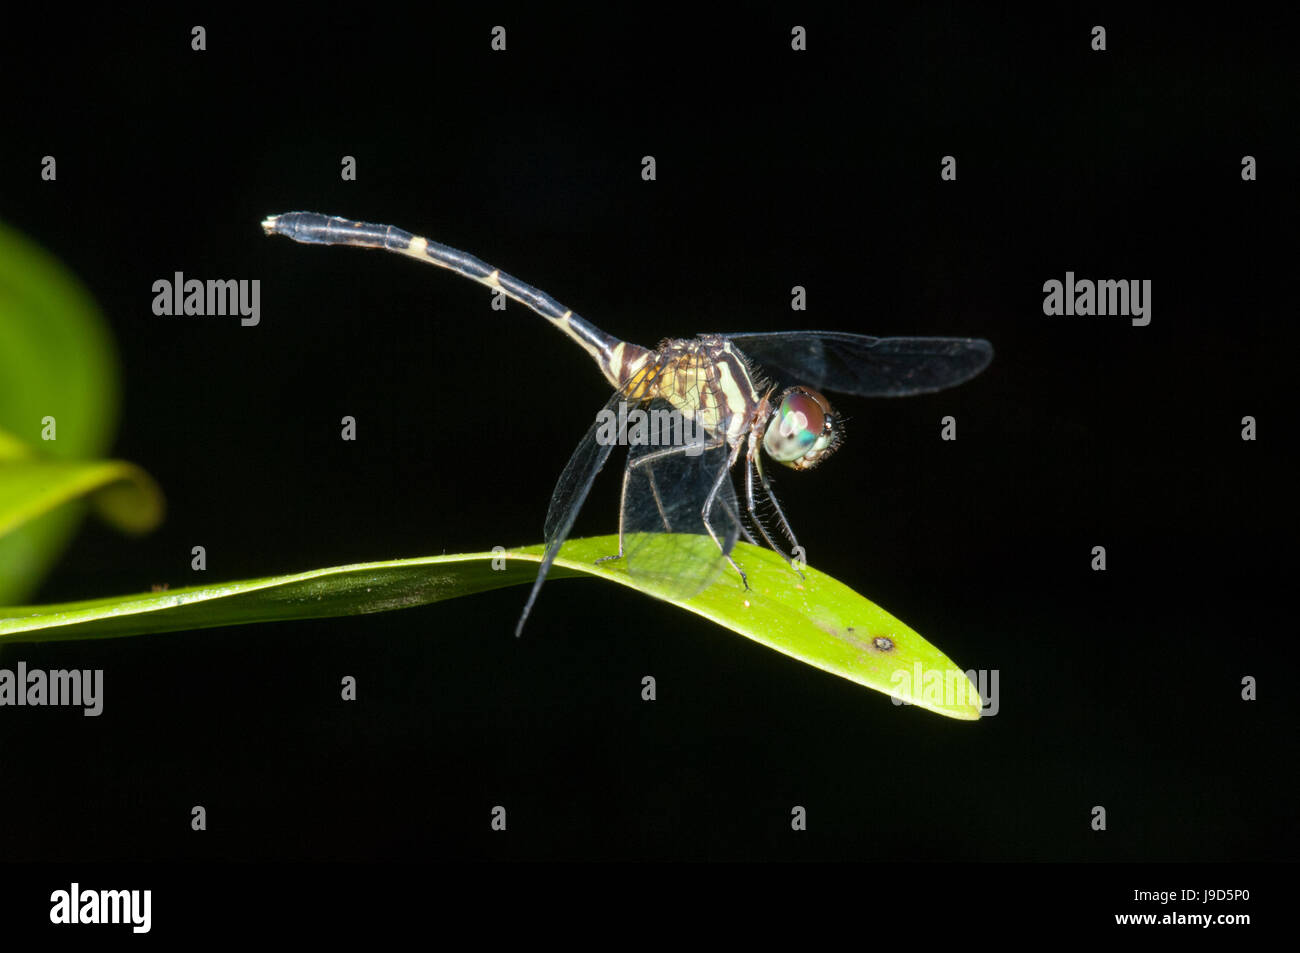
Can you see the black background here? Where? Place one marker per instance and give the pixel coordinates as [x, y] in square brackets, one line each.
[775, 168]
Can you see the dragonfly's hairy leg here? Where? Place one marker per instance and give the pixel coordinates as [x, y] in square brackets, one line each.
[750, 466]
[740, 524]
[707, 509]
[780, 514]
[756, 517]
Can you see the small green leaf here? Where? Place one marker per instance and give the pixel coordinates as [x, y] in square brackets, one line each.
[58, 409]
[815, 619]
[124, 494]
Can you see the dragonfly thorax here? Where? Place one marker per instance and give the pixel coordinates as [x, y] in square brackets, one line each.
[803, 430]
[704, 379]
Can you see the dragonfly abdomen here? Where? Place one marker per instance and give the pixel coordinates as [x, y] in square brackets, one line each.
[614, 357]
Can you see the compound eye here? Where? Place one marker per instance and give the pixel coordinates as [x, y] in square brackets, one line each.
[801, 429]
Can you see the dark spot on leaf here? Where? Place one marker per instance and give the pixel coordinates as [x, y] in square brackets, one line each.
[883, 643]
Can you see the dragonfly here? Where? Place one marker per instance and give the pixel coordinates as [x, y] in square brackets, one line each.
[719, 397]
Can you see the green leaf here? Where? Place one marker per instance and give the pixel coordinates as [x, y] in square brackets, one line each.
[124, 494]
[56, 364]
[815, 619]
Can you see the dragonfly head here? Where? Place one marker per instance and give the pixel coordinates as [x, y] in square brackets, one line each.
[803, 429]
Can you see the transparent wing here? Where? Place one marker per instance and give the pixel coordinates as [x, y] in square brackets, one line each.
[862, 365]
[567, 498]
[667, 539]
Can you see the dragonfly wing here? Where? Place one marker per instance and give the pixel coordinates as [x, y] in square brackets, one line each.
[865, 366]
[666, 540]
[568, 496]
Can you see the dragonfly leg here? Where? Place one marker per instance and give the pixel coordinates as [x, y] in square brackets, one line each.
[750, 467]
[640, 461]
[663, 516]
[659, 503]
[740, 524]
[757, 462]
[723, 474]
